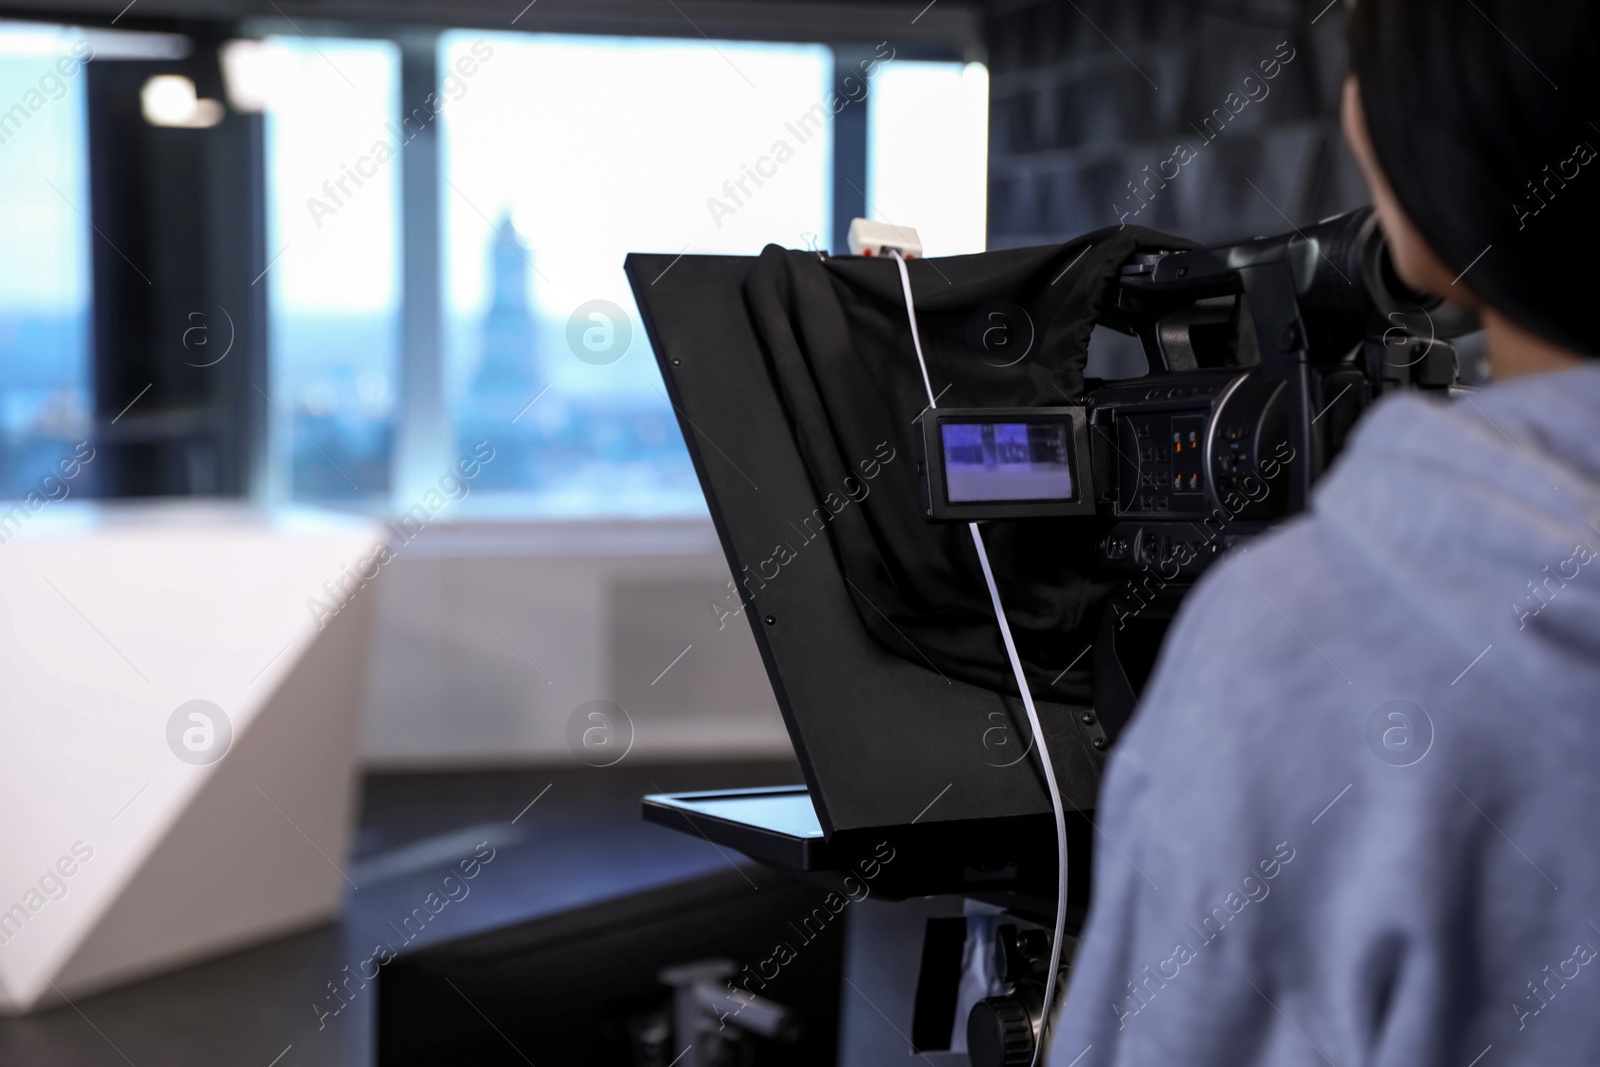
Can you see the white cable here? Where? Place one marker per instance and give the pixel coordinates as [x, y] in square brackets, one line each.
[911, 313]
[1027, 702]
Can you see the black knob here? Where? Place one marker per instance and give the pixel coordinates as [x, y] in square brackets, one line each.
[999, 1033]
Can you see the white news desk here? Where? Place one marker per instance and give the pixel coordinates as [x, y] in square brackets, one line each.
[123, 851]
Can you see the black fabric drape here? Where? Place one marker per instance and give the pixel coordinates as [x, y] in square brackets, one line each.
[840, 347]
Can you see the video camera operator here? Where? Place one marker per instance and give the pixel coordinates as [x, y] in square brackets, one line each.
[1354, 820]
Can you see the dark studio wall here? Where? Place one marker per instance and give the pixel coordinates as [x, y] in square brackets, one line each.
[1086, 96]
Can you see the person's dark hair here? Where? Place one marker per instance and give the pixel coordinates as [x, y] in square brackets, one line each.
[1485, 118]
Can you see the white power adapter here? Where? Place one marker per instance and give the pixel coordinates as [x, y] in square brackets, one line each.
[869, 238]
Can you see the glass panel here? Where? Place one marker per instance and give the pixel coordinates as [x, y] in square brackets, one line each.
[928, 152]
[45, 332]
[560, 156]
[333, 181]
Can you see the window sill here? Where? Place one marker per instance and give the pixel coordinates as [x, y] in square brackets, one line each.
[479, 538]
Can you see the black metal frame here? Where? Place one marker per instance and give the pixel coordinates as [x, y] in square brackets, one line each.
[179, 230]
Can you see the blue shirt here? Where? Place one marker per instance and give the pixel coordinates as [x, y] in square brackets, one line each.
[1356, 819]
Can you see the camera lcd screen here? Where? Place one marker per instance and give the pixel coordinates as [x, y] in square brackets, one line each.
[988, 462]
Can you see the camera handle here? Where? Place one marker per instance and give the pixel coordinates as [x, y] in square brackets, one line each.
[1270, 292]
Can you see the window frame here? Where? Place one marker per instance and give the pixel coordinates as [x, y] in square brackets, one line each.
[423, 430]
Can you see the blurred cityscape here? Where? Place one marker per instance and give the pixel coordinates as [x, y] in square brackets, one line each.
[574, 453]
[612, 454]
[44, 405]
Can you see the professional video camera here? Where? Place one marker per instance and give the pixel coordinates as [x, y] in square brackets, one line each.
[787, 369]
[1262, 356]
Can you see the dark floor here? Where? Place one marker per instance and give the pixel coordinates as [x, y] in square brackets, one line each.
[583, 841]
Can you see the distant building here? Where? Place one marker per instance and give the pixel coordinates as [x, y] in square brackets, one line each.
[506, 376]
[578, 454]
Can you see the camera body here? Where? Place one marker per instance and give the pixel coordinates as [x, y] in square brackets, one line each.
[1262, 355]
